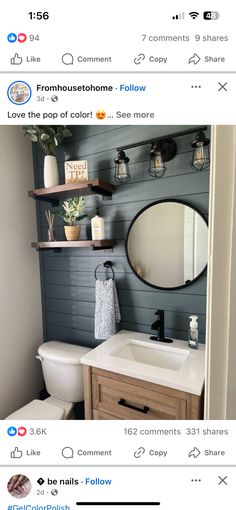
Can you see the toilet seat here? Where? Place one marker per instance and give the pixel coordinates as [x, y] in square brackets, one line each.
[37, 410]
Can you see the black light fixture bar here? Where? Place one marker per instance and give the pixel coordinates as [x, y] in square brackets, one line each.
[168, 135]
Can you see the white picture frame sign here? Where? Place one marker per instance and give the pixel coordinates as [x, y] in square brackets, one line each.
[76, 171]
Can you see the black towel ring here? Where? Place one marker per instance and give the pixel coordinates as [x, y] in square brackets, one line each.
[107, 264]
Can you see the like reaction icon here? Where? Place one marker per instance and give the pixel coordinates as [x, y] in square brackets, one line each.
[12, 37]
[12, 431]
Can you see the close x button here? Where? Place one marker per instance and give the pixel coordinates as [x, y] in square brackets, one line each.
[222, 86]
[222, 480]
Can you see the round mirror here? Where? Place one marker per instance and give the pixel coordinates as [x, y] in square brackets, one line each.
[166, 244]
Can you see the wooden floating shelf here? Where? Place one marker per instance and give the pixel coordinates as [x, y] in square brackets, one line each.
[57, 245]
[63, 191]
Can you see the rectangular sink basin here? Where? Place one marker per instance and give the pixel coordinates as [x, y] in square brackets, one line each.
[170, 358]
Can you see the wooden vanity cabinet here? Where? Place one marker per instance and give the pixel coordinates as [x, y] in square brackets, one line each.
[111, 396]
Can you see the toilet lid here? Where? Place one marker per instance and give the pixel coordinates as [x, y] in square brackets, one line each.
[62, 352]
[37, 410]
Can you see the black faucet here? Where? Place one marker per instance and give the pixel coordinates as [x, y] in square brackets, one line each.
[159, 327]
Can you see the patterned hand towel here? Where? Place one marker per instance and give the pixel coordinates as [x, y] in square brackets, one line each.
[107, 310]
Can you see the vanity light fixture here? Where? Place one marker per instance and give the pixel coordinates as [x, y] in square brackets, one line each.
[122, 173]
[161, 151]
[201, 154]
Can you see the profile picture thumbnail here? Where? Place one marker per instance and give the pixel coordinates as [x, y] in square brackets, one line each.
[19, 486]
[19, 92]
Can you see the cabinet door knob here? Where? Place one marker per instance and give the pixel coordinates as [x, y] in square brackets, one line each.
[122, 402]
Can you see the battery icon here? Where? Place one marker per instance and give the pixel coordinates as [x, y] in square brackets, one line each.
[211, 15]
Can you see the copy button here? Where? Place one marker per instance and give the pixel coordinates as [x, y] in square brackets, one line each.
[158, 60]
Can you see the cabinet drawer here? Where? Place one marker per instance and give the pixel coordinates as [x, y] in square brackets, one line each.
[98, 415]
[130, 402]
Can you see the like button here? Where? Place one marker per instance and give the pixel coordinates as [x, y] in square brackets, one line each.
[16, 60]
[16, 453]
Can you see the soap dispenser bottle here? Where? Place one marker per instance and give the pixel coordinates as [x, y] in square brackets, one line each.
[193, 332]
[98, 230]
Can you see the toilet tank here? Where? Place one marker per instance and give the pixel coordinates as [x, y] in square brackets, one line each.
[62, 370]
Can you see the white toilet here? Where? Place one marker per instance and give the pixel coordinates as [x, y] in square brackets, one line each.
[63, 376]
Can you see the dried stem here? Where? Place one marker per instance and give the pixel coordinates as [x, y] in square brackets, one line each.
[50, 218]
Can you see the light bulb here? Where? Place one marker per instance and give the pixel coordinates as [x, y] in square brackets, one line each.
[122, 168]
[157, 168]
[201, 155]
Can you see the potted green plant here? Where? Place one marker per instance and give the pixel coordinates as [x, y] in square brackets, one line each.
[72, 212]
[49, 138]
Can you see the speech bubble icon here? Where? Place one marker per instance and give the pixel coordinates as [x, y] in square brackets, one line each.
[67, 59]
[67, 452]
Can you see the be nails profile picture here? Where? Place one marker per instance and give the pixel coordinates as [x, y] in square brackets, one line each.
[19, 92]
[19, 486]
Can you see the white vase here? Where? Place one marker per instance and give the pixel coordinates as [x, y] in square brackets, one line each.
[51, 176]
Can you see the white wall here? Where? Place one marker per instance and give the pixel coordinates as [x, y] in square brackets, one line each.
[220, 401]
[20, 300]
[231, 379]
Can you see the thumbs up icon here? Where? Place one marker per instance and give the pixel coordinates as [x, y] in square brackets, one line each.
[16, 60]
[16, 453]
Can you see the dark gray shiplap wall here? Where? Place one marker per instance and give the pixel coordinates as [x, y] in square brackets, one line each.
[68, 277]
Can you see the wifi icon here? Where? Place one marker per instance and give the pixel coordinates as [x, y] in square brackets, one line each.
[194, 14]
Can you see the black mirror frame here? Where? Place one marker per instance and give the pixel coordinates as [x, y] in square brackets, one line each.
[183, 202]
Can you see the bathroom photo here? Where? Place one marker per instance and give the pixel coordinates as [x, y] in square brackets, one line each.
[117, 272]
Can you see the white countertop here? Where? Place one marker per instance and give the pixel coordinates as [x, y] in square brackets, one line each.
[189, 378]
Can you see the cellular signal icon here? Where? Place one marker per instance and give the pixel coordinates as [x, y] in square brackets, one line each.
[179, 16]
